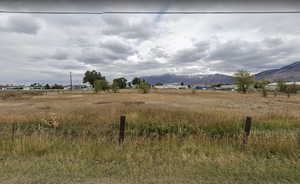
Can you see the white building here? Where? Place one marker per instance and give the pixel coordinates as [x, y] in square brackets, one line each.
[273, 86]
[171, 86]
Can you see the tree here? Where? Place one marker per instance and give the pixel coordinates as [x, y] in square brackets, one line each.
[115, 87]
[36, 85]
[293, 88]
[159, 84]
[281, 86]
[92, 76]
[264, 91]
[57, 86]
[262, 86]
[120, 82]
[243, 80]
[47, 86]
[101, 85]
[136, 81]
[145, 87]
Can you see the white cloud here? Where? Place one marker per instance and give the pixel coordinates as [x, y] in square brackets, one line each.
[40, 47]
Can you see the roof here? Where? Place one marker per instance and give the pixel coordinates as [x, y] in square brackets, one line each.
[287, 83]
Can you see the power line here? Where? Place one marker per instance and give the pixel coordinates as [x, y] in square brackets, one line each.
[201, 12]
[48, 12]
[146, 12]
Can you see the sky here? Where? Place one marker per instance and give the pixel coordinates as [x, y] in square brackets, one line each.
[45, 48]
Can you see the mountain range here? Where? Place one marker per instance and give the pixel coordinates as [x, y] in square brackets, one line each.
[288, 73]
[189, 79]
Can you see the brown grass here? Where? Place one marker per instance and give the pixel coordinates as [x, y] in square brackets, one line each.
[172, 136]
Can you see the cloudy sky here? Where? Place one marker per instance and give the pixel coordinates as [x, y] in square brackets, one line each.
[45, 48]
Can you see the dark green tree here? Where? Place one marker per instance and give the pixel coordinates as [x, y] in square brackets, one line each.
[92, 76]
[57, 86]
[261, 84]
[120, 82]
[47, 86]
[159, 84]
[136, 81]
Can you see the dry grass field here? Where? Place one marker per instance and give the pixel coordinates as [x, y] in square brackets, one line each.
[172, 136]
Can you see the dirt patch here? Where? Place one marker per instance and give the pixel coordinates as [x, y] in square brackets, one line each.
[99, 103]
[134, 103]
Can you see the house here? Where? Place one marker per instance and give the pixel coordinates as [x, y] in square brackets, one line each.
[2, 88]
[227, 87]
[202, 86]
[77, 87]
[10, 88]
[274, 85]
[171, 86]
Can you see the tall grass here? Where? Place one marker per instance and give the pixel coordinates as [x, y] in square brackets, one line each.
[162, 145]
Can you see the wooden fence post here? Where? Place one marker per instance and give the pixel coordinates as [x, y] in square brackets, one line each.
[122, 129]
[247, 129]
[13, 130]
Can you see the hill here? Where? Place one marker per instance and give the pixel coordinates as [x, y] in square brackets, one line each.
[289, 73]
[189, 79]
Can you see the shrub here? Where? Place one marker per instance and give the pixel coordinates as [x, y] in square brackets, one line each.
[145, 87]
[101, 85]
[115, 87]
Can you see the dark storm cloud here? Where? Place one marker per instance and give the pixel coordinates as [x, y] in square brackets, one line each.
[190, 55]
[73, 65]
[253, 56]
[107, 52]
[136, 45]
[146, 65]
[21, 24]
[60, 55]
[141, 29]
[117, 46]
[272, 42]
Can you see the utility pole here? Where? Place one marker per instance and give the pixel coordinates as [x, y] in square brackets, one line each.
[71, 82]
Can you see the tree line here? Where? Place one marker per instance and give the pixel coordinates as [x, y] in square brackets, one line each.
[99, 82]
[244, 80]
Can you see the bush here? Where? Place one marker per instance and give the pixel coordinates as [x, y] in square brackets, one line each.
[101, 85]
[145, 87]
[115, 87]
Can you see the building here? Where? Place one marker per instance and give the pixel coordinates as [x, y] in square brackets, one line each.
[202, 86]
[11, 88]
[171, 86]
[274, 85]
[2, 88]
[227, 87]
[77, 87]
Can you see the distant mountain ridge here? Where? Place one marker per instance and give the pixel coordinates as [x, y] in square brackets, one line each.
[189, 79]
[288, 73]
